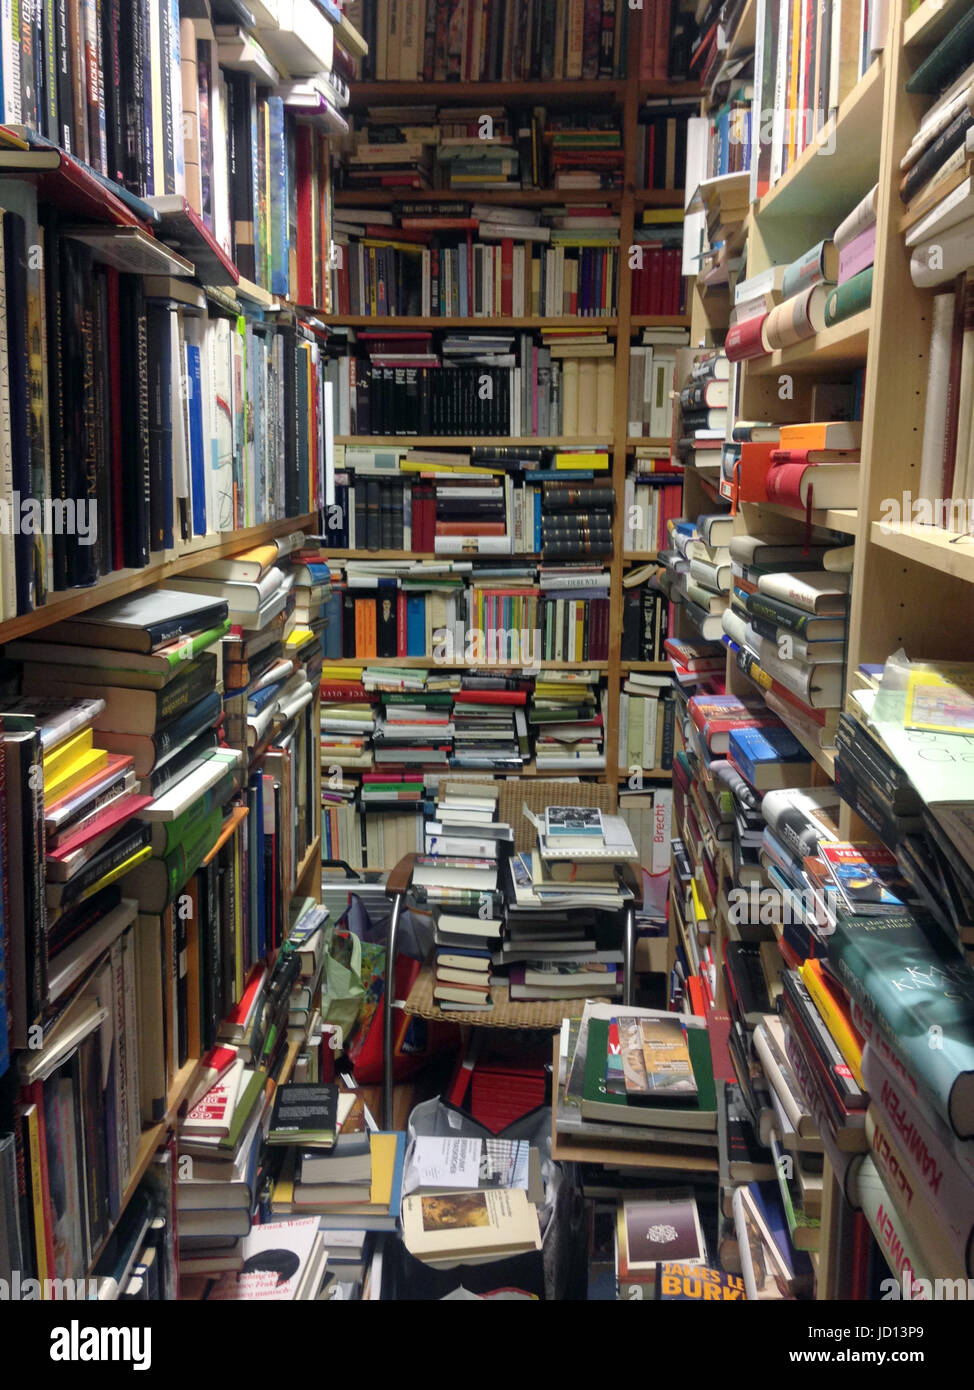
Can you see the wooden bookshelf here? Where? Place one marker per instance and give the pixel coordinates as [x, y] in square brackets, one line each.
[842, 345]
[949, 552]
[67, 603]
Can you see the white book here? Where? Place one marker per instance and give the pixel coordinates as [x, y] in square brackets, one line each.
[935, 405]
[956, 207]
[194, 785]
[936, 261]
[70, 964]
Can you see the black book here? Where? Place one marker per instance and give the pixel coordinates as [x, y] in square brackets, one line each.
[131, 97]
[743, 963]
[23, 814]
[159, 330]
[128, 841]
[136, 486]
[65, 97]
[111, 35]
[18, 357]
[305, 1113]
[241, 97]
[101, 423]
[49, 93]
[386, 631]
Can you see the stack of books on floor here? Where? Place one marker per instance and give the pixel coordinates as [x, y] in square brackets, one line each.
[299, 1246]
[470, 1200]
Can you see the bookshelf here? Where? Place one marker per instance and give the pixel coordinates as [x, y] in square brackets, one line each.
[626, 97]
[911, 582]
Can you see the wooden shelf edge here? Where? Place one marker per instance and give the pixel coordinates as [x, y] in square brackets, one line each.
[951, 552]
[69, 602]
[834, 518]
[844, 342]
[313, 853]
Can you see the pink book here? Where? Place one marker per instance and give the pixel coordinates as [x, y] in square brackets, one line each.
[858, 255]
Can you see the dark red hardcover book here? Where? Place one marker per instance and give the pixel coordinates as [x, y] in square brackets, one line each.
[745, 339]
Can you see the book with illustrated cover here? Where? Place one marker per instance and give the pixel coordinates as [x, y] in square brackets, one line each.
[655, 1059]
[866, 877]
[657, 1227]
[280, 1261]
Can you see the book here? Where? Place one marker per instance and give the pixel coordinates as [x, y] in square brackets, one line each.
[468, 1225]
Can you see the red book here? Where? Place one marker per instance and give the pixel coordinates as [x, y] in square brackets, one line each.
[114, 814]
[353, 691]
[507, 276]
[661, 41]
[305, 248]
[647, 42]
[254, 984]
[490, 697]
[438, 224]
[416, 234]
[401, 623]
[471, 528]
[745, 339]
[698, 997]
[34, 1095]
[755, 466]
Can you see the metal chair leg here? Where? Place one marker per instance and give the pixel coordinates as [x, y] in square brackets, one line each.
[388, 1000]
[628, 956]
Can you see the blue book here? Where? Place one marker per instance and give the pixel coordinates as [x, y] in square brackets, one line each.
[260, 699]
[767, 1199]
[537, 521]
[196, 447]
[766, 756]
[560, 475]
[278, 192]
[415, 625]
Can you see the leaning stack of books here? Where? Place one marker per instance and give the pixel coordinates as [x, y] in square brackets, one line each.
[566, 715]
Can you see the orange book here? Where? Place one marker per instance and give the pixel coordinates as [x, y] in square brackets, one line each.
[471, 528]
[821, 434]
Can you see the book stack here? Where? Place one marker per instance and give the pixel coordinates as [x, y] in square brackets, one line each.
[452, 1207]
[593, 1110]
[704, 401]
[654, 1226]
[567, 718]
[138, 1261]
[353, 1185]
[405, 44]
[299, 1244]
[697, 572]
[695, 663]
[779, 581]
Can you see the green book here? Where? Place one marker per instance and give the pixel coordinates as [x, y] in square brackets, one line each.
[599, 1103]
[948, 59]
[912, 982]
[849, 298]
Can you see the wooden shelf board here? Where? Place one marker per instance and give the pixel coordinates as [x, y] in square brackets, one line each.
[659, 321]
[639, 441]
[509, 197]
[744, 35]
[429, 663]
[149, 1141]
[313, 853]
[604, 90]
[658, 198]
[443, 321]
[471, 441]
[246, 289]
[950, 552]
[931, 21]
[836, 518]
[663, 87]
[658, 772]
[69, 602]
[842, 345]
[842, 161]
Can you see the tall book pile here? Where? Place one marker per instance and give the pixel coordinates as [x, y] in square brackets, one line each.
[481, 260]
[435, 41]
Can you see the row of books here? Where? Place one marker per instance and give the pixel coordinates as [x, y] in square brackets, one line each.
[485, 147]
[443, 272]
[651, 501]
[646, 724]
[651, 377]
[645, 617]
[472, 383]
[549, 614]
[130, 463]
[435, 41]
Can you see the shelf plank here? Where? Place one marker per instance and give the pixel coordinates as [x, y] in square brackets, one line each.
[470, 441]
[835, 518]
[509, 197]
[950, 552]
[931, 22]
[658, 198]
[639, 556]
[840, 164]
[443, 321]
[601, 90]
[842, 345]
[637, 441]
[660, 773]
[68, 603]
[313, 853]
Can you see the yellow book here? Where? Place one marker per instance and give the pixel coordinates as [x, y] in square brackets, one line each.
[699, 911]
[37, 1193]
[940, 698]
[105, 881]
[418, 466]
[590, 462]
[793, 113]
[383, 1148]
[67, 752]
[337, 674]
[411, 246]
[297, 636]
[846, 1039]
[78, 771]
